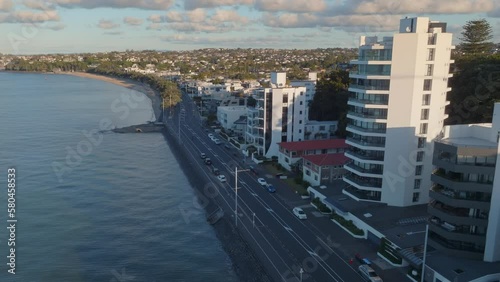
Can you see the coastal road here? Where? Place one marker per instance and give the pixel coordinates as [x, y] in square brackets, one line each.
[283, 243]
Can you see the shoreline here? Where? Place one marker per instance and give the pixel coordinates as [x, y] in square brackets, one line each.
[144, 88]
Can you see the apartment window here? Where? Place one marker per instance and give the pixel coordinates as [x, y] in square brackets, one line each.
[300, 112]
[301, 102]
[315, 177]
[426, 99]
[308, 172]
[421, 142]
[300, 121]
[430, 54]
[418, 170]
[285, 98]
[420, 156]
[427, 84]
[417, 184]
[424, 114]
[430, 69]
[416, 197]
[423, 128]
[300, 130]
[322, 127]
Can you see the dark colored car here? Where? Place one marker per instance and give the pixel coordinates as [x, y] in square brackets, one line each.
[271, 188]
[215, 171]
[208, 161]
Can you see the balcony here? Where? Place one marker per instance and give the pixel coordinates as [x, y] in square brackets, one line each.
[452, 232]
[373, 58]
[363, 182]
[365, 144]
[454, 248]
[369, 102]
[366, 130]
[362, 195]
[452, 198]
[374, 172]
[367, 115]
[458, 216]
[364, 156]
[370, 87]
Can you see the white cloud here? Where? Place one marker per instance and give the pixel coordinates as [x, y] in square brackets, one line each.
[133, 21]
[298, 6]
[140, 4]
[105, 24]
[38, 5]
[416, 7]
[55, 27]
[229, 16]
[29, 17]
[6, 5]
[156, 18]
[194, 4]
[113, 32]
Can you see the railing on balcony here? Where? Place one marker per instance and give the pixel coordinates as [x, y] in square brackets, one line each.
[459, 229]
[370, 87]
[466, 196]
[365, 170]
[364, 194]
[374, 58]
[454, 211]
[362, 72]
[368, 115]
[369, 130]
[458, 177]
[364, 181]
[366, 143]
[367, 101]
[362, 155]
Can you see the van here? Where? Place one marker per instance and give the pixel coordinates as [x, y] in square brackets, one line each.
[368, 273]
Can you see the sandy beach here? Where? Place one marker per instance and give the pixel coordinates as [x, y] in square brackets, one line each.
[127, 83]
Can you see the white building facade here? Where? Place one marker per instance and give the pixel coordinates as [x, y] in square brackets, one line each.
[310, 85]
[228, 115]
[397, 100]
[279, 116]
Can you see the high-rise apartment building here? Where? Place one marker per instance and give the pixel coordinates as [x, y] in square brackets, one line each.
[279, 116]
[397, 100]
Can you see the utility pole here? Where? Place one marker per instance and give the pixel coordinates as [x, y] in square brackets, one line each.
[425, 253]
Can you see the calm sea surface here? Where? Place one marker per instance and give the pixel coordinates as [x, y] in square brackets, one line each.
[95, 206]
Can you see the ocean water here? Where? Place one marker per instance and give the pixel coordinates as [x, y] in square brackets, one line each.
[94, 205]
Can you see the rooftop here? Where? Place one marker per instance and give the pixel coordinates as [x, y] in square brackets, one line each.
[468, 142]
[327, 159]
[232, 108]
[313, 144]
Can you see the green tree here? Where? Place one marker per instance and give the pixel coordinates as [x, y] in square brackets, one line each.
[476, 37]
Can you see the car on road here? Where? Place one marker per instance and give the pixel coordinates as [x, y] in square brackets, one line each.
[252, 169]
[368, 273]
[210, 135]
[262, 181]
[298, 212]
[203, 156]
[227, 146]
[208, 161]
[215, 170]
[221, 178]
[217, 141]
[270, 188]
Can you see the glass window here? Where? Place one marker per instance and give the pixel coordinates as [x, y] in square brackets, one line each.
[430, 54]
[420, 156]
[416, 196]
[430, 69]
[426, 99]
[418, 170]
[424, 114]
[417, 184]
[423, 128]
[427, 84]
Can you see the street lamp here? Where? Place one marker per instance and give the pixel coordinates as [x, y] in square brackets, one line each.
[425, 253]
[236, 193]
[301, 272]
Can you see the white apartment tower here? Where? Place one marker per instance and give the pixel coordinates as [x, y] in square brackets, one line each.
[279, 116]
[397, 100]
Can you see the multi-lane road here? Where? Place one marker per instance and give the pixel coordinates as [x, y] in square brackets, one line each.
[291, 249]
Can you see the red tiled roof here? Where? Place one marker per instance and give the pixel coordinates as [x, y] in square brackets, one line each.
[314, 144]
[327, 159]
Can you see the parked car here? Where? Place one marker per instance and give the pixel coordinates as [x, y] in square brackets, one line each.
[368, 273]
[298, 212]
[262, 181]
[215, 170]
[203, 156]
[208, 161]
[217, 142]
[271, 188]
[210, 135]
[221, 178]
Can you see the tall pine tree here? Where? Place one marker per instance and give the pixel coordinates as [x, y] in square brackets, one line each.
[476, 38]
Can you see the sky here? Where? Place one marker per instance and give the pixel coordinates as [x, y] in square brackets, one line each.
[76, 26]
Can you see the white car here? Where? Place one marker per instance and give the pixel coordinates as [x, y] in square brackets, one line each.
[210, 135]
[262, 181]
[221, 178]
[217, 141]
[298, 212]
